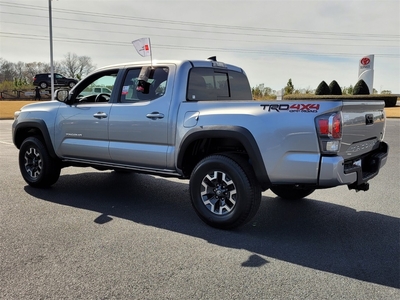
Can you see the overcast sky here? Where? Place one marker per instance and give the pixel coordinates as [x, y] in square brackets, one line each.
[307, 41]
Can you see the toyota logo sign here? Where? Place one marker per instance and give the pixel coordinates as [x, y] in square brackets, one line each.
[365, 61]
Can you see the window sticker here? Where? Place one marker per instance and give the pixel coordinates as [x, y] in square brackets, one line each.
[125, 89]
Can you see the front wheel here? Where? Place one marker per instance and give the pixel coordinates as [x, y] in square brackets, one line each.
[37, 167]
[224, 191]
[291, 192]
[71, 84]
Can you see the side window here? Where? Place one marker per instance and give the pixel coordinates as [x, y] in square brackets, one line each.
[209, 84]
[152, 88]
[90, 90]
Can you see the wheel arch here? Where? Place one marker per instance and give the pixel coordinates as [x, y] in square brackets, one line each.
[33, 128]
[203, 141]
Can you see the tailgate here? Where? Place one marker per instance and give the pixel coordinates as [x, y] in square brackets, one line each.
[363, 126]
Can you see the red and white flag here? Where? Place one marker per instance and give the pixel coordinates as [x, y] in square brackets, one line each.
[142, 46]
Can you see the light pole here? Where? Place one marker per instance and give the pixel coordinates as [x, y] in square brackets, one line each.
[51, 52]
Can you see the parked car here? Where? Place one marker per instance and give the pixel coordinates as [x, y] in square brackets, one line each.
[44, 80]
[95, 91]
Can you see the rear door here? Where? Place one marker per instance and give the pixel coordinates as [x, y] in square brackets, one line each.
[139, 129]
[59, 79]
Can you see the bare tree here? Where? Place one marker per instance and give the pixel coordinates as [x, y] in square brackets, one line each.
[85, 66]
[20, 72]
[75, 66]
[7, 70]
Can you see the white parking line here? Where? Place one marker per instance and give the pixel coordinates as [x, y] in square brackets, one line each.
[1, 142]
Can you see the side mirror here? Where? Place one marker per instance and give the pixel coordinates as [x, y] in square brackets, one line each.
[61, 95]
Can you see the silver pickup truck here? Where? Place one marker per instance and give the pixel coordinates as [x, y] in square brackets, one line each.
[197, 120]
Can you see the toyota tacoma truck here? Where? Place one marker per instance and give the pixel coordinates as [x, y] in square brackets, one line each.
[196, 120]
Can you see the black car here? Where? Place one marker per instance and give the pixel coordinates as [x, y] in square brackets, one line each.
[44, 80]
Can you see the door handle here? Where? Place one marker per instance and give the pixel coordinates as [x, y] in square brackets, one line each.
[155, 115]
[100, 115]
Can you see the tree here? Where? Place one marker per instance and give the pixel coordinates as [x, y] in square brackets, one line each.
[322, 89]
[256, 92]
[334, 88]
[75, 66]
[20, 72]
[85, 66]
[361, 88]
[348, 90]
[386, 92]
[7, 70]
[289, 88]
[268, 91]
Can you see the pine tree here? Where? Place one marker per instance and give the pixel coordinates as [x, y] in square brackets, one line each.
[361, 88]
[322, 89]
[334, 88]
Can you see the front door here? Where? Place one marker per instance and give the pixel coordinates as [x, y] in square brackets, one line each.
[82, 126]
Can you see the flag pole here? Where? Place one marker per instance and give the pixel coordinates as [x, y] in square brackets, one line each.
[151, 54]
[51, 53]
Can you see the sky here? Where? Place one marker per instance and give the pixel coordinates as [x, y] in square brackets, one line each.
[272, 41]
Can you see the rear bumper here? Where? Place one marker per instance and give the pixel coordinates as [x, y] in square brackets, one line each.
[336, 171]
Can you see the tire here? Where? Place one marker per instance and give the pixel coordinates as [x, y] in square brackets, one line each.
[43, 85]
[37, 167]
[224, 191]
[290, 192]
[390, 101]
[71, 84]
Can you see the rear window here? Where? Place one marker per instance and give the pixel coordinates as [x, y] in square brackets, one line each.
[215, 84]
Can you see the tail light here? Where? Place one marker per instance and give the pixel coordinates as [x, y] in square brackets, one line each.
[329, 129]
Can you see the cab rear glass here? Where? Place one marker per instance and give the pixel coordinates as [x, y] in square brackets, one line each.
[207, 84]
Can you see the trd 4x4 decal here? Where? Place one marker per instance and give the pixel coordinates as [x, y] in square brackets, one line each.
[313, 108]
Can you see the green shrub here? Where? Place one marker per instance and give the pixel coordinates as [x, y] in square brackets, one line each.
[322, 89]
[361, 88]
[334, 88]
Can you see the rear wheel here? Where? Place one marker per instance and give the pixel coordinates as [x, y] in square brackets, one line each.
[71, 84]
[291, 192]
[37, 167]
[224, 191]
[43, 85]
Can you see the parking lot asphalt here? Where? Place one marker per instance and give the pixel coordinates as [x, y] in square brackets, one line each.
[102, 235]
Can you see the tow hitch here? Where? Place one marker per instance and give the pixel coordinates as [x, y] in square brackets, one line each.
[360, 187]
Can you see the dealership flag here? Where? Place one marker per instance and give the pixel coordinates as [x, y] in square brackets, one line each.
[143, 46]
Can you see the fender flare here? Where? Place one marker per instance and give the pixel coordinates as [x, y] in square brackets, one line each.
[239, 133]
[34, 124]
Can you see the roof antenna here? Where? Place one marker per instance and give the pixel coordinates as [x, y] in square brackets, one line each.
[213, 58]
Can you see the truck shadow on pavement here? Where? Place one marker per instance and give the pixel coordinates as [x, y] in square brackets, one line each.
[310, 233]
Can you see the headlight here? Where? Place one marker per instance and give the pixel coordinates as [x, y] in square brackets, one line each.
[16, 114]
